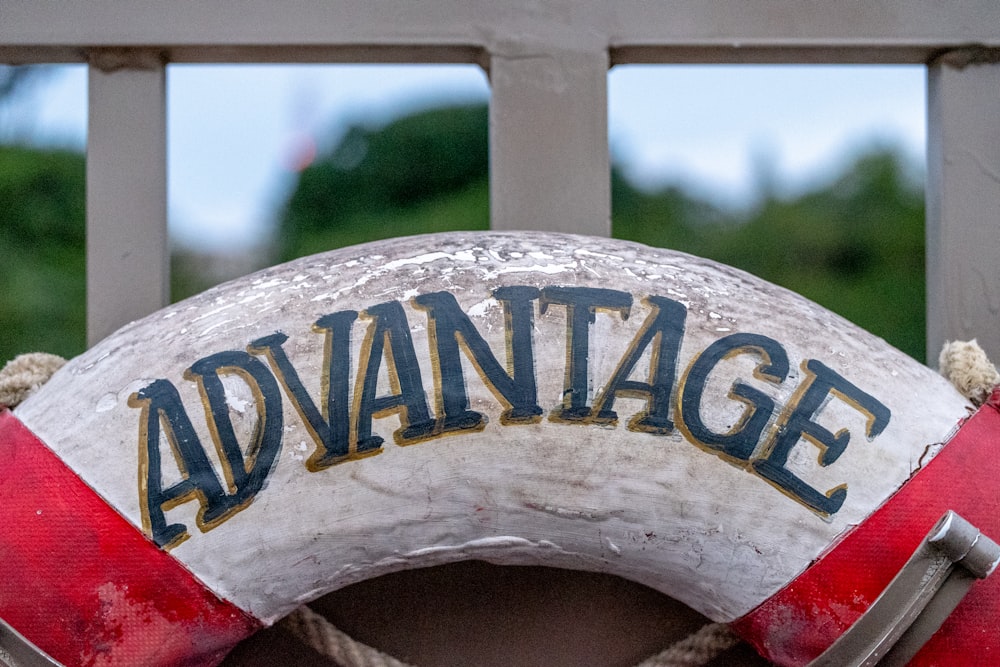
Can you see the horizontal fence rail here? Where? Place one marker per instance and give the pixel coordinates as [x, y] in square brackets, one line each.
[548, 65]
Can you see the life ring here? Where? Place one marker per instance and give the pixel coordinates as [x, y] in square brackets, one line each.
[521, 398]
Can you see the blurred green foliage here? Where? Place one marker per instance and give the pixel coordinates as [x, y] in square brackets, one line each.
[43, 254]
[854, 244]
[425, 172]
[42, 280]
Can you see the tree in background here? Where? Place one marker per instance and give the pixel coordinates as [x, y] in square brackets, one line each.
[42, 214]
[43, 254]
[42, 266]
[422, 173]
[854, 244]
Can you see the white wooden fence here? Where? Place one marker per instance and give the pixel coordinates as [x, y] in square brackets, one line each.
[548, 64]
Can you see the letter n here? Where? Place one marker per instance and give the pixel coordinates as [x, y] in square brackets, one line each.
[451, 330]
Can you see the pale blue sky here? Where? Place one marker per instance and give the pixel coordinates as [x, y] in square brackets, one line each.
[234, 131]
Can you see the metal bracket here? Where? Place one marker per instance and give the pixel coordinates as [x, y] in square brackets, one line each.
[16, 651]
[919, 599]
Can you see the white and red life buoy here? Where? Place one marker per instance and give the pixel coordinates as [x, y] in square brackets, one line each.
[519, 398]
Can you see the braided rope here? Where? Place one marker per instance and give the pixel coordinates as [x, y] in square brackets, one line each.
[24, 374]
[319, 634]
[698, 648]
[966, 366]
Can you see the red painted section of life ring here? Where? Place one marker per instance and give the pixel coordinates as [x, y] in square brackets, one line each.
[84, 585]
[800, 622]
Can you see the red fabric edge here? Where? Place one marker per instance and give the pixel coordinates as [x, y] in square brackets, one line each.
[84, 585]
[801, 621]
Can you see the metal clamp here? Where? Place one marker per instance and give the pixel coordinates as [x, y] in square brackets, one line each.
[16, 651]
[919, 599]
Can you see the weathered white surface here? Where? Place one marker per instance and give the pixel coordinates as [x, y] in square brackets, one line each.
[653, 508]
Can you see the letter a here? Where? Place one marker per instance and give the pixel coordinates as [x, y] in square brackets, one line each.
[390, 326]
[663, 329]
[161, 405]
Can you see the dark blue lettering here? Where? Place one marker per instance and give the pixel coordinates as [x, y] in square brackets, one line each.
[245, 471]
[663, 330]
[581, 304]
[800, 423]
[161, 406]
[741, 440]
[407, 398]
[449, 326]
[331, 429]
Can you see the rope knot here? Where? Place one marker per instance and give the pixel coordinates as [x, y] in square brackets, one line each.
[966, 366]
[24, 374]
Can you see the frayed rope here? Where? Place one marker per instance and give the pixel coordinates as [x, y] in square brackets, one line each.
[966, 366]
[319, 634]
[25, 374]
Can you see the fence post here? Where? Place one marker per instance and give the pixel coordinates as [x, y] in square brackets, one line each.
[549, 141]
[127, 250]
[963, 200]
